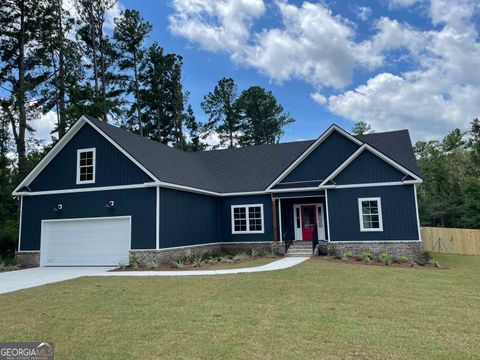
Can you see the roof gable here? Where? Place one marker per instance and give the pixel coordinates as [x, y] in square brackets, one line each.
[323, 156]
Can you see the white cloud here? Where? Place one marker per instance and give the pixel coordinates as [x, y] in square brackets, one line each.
[363, 12]
[319, 98]
[44, 125]
[439, 90]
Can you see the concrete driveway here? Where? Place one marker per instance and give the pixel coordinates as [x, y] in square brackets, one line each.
[24, 279]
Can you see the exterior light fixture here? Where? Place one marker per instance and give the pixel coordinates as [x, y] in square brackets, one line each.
[58, 207]
[110, 204]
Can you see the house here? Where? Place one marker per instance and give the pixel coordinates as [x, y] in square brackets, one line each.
[102, 193]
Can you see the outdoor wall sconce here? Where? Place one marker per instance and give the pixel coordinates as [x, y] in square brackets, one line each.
[58, 207]
[110, 204]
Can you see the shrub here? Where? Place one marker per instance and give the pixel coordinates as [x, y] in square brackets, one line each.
[346, 255]
[151, 265]
[122, 265]
[385, 259]
[212, 260]
[255, 252]
[406, 260]
[198, 261]
[179, 263]
[332, 251]
[133, 261]
[427, 257]
[436, 264]
[240, 256]
[367, 257]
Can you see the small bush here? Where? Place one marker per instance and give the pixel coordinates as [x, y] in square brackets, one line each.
[406, 260]
[427, 257]
[346, 255]
[436, 264]
[198, 261]
[255, 252]
[122, 265]
[385, 259]
[133, 261]
[151, 265]
[367, 257]
[332, 251]
[212, 260]
[240, 256]
[180, 263]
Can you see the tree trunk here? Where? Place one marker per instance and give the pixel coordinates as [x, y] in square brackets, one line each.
[102, 64]
[94, 54]
[137, 95]
[62, 125]
[22, 122]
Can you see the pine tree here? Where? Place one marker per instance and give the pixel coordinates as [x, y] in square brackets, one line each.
[224, 118]
[130, 33]
[361, 128]
[194, 130]
[263, 119]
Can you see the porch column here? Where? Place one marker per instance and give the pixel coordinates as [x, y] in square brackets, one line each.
[280, 219]
[274, 213]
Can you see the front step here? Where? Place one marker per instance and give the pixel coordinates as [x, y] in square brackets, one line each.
[300, 249]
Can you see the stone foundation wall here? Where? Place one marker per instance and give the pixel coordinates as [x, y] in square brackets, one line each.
[167, 256]
[28, 258]
[412, 250]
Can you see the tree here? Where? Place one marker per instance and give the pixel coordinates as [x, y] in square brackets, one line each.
[194, 142]
[361, 128]
[23, 66]
[97, 46]
[221, 107]
[130, 33]
[263, 119]
[159, 77]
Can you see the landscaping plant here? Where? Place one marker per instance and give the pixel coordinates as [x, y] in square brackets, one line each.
[367, 257]
[385, 259]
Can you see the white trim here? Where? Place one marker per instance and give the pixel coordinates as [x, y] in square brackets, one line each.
[327, 210]
[89, 189]
[374, 241]
[51, 154]
[44, 221]
[20, 225]
[122, 150]
[247, 206]
[316, 188]
[363, 185]
[416, 210]
[157, 220]
[299, 197]
[376, 153]
[360, 214]
[298, 232]
[198, 245]
[61, 144]
[312, 147]
[280, 218]
[94, 165]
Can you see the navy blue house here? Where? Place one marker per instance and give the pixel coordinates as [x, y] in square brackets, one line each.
[102, 193]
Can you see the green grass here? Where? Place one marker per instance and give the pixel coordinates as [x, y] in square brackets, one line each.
[317, 310]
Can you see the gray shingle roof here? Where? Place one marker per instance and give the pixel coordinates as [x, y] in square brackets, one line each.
[251, 168]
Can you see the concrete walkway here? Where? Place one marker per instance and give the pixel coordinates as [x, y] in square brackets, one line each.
[28, 278]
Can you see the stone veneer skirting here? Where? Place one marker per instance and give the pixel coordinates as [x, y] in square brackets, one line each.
[168, 255]
[410, 249]
[28, 258]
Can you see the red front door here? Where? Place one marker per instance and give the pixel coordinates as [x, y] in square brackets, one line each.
[309, 222]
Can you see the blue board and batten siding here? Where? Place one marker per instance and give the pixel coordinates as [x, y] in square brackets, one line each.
[187, 218]
[368, 168]
[111, 166]
[140, 204]
[324, 159]
[398, 213]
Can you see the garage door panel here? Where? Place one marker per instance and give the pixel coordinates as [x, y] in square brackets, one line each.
[102, 241]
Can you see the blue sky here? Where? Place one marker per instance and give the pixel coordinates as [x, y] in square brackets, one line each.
[392, 63]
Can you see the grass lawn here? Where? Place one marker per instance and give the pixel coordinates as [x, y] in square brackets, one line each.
[316, 310]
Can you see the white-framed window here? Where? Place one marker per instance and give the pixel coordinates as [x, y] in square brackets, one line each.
[86, 166]
[370, 214]
[247, 219]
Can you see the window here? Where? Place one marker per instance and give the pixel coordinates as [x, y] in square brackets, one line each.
[86, 166]
[247, 219]
[370, 212]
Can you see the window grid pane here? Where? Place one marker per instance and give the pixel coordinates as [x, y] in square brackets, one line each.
[370, 214]
[86, 166]
[247, 219]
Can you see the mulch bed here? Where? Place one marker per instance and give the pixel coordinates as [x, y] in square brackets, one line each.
[357, 261]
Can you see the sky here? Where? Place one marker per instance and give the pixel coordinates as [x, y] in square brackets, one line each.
[395, 64]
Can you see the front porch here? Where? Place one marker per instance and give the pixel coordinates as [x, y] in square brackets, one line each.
[302, 220]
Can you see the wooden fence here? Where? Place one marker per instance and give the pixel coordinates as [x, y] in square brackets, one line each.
[451, 240]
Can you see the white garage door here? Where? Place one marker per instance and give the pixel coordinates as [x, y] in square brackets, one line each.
[85, 242]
